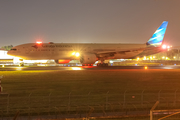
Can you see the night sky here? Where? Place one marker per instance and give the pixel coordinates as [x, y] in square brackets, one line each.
[87, 21]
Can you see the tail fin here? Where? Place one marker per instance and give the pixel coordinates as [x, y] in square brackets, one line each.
[157, 37]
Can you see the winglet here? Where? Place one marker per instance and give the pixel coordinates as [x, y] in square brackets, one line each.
[157, 37]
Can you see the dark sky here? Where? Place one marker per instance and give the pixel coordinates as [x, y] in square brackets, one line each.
[87, 21]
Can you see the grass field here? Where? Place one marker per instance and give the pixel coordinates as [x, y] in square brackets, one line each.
[61, 84]
[85, 81]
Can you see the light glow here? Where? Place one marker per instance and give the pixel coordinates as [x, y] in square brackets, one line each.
[145, 67]
[164, 46]
[19, 68]
[76, 68]
[144, 58]
[39, 42]
[77, 54]
[73, 53]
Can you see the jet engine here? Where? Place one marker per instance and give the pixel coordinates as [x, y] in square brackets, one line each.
[62, 61]
[88, 59]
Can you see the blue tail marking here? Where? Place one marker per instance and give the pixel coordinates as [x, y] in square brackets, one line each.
[158, 36]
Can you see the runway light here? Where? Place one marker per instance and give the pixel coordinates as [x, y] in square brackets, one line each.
[145, 67]
[19, 68]
[144, 58]
[174, 57]
[138, 58]
[3, 65]
[76, 68]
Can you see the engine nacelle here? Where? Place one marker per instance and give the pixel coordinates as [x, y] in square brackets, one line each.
[88, 58]
[61, 61]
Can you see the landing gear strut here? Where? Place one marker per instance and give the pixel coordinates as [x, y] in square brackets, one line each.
[102, 64]
[21, 64]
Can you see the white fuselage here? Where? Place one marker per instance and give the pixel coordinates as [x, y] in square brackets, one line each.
[33, 51]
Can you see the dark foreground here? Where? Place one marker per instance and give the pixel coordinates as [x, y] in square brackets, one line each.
[88, 92]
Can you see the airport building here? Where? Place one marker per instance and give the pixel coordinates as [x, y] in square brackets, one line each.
[6, 59]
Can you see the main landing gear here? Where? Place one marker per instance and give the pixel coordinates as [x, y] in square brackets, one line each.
[102, 64]
[87, 64]
[21, 64]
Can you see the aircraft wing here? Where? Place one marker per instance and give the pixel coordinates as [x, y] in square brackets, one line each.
[121, 51]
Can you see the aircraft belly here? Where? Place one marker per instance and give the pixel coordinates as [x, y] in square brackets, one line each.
[126, 55]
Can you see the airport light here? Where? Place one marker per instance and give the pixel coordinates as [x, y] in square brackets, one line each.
[154, 56]
[3, 65]
[163, 57]
[174, 57]
[138, 58]
[145, 67]
[144, 58]
[77, 54]
[150, 57]
[76, 68]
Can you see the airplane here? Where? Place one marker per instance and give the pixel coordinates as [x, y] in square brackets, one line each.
[89, 53]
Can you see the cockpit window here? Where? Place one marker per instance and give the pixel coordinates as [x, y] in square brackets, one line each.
[14, 49]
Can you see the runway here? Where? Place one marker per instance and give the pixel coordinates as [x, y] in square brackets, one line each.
[12, 68]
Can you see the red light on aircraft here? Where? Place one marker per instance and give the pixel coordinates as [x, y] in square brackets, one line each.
[39, 42]
[63, 61]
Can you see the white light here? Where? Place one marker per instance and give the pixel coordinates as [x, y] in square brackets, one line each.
[110, 61]
[76, 68]
[144, 58]
[77, 54]
[73, 53]
[164, 46]
[19, 68]
[39, 42]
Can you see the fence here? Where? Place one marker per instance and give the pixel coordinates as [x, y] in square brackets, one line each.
[91, 104]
